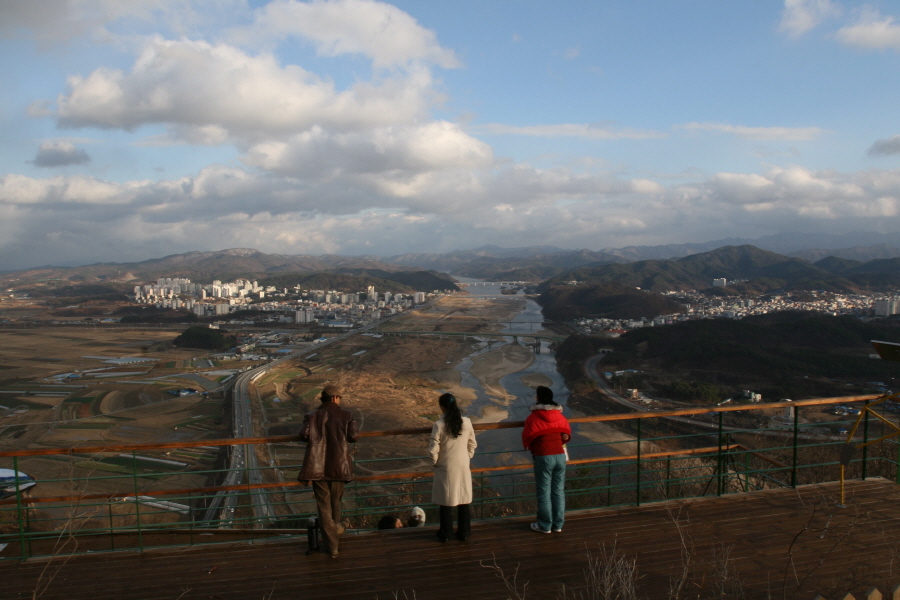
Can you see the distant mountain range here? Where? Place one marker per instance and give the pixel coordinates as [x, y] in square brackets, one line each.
[538, 263]
[319, 272]
[206, 266]
[754, 269]
[858, 246]
[844, 263]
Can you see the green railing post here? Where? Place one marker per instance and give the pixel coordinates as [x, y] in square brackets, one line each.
[355, 502]
[192, 516]
[865, 456]
[112, 535]
[796, 437]
[609, 482]
[22, 544]
[897, 464]
[137, 501]
[481, 495]
[638, 471]
[668, 474]
[720, 467]
[746, 472]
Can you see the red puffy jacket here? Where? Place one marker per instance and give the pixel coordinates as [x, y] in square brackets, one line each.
[545, 419]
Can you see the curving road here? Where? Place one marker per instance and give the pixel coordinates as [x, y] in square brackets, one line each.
[592, 369]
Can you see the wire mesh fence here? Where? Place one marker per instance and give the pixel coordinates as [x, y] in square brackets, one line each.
[143, 496]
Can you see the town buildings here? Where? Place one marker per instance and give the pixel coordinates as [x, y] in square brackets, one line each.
[330, 308]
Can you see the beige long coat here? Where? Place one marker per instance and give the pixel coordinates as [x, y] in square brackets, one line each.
[451, 455]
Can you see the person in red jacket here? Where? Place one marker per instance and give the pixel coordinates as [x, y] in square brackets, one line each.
[545, 432]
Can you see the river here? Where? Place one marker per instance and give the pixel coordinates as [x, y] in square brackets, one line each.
[504, 446]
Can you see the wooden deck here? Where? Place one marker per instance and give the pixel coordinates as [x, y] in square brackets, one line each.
[784, 544]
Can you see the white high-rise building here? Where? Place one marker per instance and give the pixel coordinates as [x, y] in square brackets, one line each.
[888, 307]
[305, 315]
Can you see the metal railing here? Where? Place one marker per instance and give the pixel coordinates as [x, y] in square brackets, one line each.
[140, 496]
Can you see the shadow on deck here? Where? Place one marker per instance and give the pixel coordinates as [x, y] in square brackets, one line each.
[785, 543]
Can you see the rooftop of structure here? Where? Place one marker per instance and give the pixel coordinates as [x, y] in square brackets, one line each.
[784, 543]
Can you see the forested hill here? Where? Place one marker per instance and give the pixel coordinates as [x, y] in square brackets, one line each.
[787, 350]
[359, 280]
[755, 269]
[782, 355]
[604, 300]
[204, 267]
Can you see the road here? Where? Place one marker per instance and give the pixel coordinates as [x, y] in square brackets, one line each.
[243, 461]
[592, 369]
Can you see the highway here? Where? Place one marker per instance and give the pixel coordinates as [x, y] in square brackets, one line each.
[243, 460]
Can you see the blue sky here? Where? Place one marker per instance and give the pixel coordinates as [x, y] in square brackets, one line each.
[359, 127]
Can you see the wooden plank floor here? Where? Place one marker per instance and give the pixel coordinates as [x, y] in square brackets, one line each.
[781, 544]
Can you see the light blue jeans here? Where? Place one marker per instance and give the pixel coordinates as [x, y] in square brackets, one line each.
[550, 485]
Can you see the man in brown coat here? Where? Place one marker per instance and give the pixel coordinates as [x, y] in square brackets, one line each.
[327, 462]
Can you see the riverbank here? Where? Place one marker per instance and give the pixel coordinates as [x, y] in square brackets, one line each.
[396, 382]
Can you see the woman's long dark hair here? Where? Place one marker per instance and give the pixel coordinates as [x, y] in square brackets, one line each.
[452, 417]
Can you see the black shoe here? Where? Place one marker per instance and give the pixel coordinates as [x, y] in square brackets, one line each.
[441, 537]
[461, 537]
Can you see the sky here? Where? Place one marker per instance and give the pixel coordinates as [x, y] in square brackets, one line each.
[132, 130]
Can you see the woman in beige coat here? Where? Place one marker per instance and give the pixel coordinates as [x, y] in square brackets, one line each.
[452, 446]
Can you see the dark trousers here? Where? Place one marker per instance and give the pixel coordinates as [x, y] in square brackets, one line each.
[463, 524]
[328, 502]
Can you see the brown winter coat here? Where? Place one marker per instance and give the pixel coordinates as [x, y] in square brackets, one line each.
[327, 431]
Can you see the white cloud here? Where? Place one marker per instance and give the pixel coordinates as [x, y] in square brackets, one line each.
[397, 149]
[84, 218]
[85, 191]
[384, 33]
[872, 31]
[60, 154]
[886, 146]
[198, 84]
[790, 134]
[598, 131]
[197, 135]
[800, 16]
[788, 193]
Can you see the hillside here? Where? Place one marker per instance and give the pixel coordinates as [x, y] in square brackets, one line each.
[793, 355]
[425, 281]
[498, 268]
[604, 300]
[451, 261]
[761, 271]
[225, 265]
[359, 279]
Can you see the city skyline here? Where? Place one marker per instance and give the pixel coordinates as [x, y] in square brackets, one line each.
[367, 128]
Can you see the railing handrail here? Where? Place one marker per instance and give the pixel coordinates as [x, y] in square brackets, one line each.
[420, 430]
[368, 478]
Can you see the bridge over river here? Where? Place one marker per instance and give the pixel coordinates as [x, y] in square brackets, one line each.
[515, 336]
